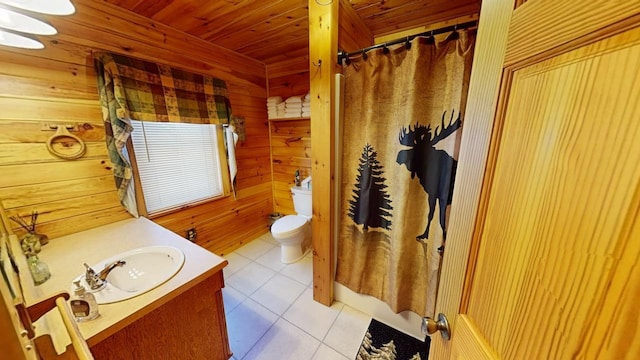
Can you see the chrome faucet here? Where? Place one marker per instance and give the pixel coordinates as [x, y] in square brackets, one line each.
[97, 281]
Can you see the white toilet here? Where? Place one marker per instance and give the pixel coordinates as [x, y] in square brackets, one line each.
[293, 232]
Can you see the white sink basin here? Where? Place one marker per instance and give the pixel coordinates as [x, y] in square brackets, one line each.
[145, 269]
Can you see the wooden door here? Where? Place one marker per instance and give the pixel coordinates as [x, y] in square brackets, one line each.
[554, 235]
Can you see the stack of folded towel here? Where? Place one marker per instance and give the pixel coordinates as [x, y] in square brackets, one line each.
[293, 107]
[275, 107]
[306, 105]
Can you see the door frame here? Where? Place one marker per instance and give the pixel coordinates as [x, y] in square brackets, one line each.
[496, 59]
[477, 139]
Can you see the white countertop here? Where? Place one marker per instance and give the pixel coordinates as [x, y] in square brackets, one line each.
[65, 257]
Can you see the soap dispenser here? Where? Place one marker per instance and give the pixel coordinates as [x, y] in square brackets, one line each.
[83, 304]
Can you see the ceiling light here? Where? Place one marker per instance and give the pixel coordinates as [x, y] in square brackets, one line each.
[12, 20]
[51, 7]
[21, 41]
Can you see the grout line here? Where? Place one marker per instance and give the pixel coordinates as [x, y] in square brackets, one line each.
[306, 286]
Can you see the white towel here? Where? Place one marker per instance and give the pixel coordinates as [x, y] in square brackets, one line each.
[232, 140]
[307, 96]
[274, 100]
[281, 106]
[294, 99]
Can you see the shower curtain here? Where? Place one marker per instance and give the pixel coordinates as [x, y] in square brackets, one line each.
[403, 116]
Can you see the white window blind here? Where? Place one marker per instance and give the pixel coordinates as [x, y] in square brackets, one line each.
[178, 163]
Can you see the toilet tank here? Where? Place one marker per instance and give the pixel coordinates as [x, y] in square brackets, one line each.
[302, 201]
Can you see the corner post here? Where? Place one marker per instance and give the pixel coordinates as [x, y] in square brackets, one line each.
[323, 49]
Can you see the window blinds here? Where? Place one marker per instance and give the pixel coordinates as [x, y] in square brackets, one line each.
[178, 163]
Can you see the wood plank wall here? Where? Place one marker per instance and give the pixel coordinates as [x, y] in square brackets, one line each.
[290, 151]
[58, 85]
[292, 77]
[290, 139]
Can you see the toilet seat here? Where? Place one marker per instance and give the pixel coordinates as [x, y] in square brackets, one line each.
[288, 225]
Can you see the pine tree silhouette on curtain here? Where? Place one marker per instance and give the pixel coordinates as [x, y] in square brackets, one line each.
[370, 203]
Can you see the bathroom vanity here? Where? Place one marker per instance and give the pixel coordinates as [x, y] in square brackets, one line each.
[182, 318]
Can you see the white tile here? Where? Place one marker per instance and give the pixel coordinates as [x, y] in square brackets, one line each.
[271, 259]
[231, 298]
[284, 341]
[246, 324]
[278, 293]
[301, 271]
[236, 262]
[269, 238]
[250, 278]
[326, 353]
[347, 331]
[311, 316]
[255, 249]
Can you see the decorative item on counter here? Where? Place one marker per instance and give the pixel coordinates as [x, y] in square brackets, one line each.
[297, 177]
[38, 269]
[83, 304]
[30, 244]
[32, 241]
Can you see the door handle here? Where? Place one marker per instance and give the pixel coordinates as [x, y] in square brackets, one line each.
[431, 326]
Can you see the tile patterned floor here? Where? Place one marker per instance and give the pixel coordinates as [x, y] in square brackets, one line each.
[271, 313]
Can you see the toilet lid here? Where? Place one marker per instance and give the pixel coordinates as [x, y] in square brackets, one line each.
[287, 224]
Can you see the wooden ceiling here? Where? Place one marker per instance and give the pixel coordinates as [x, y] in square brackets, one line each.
[274, 30]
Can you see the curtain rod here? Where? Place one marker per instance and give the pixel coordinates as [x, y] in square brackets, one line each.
[344, 55]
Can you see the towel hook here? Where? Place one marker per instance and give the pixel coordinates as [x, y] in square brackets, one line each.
[60, 135]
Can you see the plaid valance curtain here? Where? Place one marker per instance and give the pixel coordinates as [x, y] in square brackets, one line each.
[141, 90]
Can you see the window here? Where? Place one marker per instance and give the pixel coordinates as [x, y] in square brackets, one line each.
[178, 163]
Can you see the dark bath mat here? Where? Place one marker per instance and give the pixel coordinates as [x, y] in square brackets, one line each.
[384, 342]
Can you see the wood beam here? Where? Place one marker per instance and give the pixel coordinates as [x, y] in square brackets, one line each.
[323, 47]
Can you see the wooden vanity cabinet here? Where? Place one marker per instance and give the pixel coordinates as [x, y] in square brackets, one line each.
[190, 326]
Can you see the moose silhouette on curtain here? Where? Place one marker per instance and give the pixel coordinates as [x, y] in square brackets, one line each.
[435, 168]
